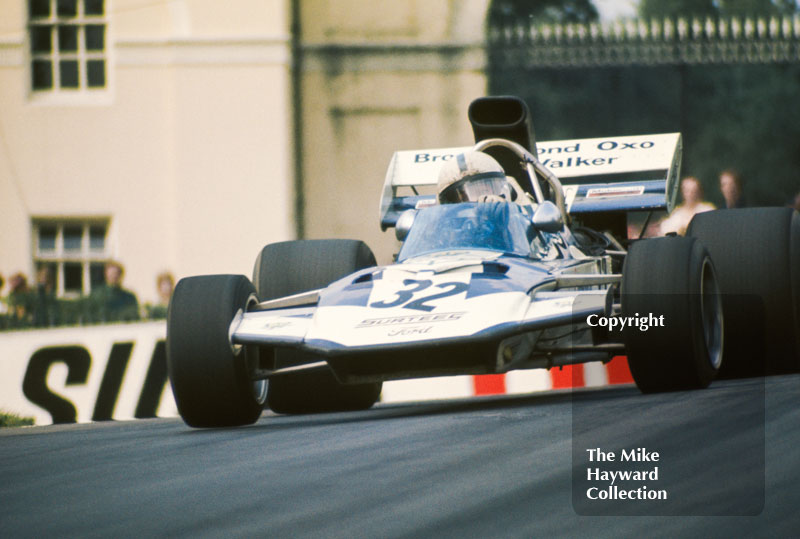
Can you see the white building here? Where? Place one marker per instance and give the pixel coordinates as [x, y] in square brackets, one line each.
[154, 133]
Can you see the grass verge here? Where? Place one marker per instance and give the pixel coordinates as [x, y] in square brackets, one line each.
[8, 419]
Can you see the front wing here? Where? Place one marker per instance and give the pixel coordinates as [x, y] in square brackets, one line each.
[345, 329]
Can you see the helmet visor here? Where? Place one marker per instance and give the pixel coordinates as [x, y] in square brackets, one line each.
[474, 188]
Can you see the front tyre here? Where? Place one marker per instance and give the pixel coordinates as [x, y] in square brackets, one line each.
[208, 374]
[673, 277]
[291, 267]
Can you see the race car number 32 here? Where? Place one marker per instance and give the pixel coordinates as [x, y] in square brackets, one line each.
[406, 297]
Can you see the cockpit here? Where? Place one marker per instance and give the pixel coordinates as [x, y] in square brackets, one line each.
[494, 226]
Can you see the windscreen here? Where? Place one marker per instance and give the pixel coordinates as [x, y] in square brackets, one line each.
[493, 226]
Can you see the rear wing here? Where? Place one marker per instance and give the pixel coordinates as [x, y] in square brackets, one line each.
[613, 174]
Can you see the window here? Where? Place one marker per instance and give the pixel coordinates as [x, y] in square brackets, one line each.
[67, 45]
[76, 251]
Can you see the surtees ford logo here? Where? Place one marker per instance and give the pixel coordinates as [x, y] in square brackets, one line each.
[276, 325]
[412, 319]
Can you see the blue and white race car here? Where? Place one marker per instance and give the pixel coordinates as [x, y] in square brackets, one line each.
[545, 279]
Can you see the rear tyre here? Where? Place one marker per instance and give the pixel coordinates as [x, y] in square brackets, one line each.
[209, 376]
[756, 252]
[291, 267]
[673, 277]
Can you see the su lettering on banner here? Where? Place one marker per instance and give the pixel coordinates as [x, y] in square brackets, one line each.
[83, 374]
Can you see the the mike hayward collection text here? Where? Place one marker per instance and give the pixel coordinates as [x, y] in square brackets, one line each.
[599, 471]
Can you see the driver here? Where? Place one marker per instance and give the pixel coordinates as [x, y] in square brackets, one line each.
[473, 177]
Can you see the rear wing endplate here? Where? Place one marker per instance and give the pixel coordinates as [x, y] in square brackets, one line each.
[612, 174]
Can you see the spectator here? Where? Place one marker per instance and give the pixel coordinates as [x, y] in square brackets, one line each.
[730, 185]
[794, 204]
[46, 312]
[165, 282]
[110, 302]
[637, 221]
[692, 194]
[19, 302]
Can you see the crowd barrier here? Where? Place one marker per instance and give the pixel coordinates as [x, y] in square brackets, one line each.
[119, 371]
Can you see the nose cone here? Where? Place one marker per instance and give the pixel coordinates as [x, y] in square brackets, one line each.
[398, 312]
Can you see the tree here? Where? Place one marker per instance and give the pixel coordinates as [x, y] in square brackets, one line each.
[716, 8]
[677, 8]
[742, 116]
[544, 11]
[742, 8]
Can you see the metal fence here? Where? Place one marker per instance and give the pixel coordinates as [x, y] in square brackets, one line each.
[655, 42]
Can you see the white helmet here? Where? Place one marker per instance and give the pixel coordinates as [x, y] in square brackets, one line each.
[472, 177]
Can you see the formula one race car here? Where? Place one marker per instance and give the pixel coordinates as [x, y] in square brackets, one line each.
[541, 276]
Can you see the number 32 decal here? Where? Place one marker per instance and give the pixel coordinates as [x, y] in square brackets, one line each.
[404, 297]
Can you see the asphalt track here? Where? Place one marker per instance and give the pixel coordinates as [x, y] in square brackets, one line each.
[481, 467]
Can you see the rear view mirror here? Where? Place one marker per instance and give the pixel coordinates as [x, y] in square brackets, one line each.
[547, 218]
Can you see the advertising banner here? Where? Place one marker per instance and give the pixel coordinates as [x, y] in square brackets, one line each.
[82, 374]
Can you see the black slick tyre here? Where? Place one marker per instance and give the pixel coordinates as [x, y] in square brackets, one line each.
[672, 277]
[291, 267]
[756, 252]
[207, 373]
